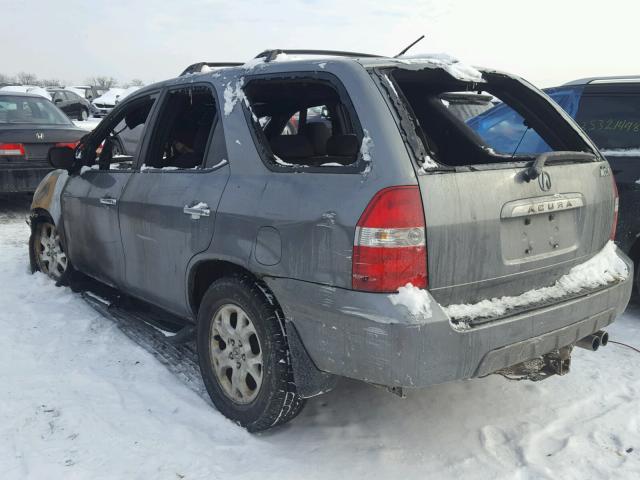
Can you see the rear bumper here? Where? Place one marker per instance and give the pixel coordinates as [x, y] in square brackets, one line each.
[363, 336]
[18, 180]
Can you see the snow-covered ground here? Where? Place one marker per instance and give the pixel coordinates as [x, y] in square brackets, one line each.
[80, 400]
[88, 124]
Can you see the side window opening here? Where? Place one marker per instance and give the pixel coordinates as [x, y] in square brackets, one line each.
[116, 148]
[304, 122]
[184, 129]
[461, 124]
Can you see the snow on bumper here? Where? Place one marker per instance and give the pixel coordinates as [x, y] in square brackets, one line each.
[365, 336]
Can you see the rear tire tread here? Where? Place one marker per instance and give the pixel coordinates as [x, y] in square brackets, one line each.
[284, 403]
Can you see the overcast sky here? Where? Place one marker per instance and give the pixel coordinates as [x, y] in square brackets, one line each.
[546, 41]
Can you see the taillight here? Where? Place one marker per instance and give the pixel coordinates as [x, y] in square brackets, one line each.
[390, 247]
[71, 145]
[12, 150]
[616, 203]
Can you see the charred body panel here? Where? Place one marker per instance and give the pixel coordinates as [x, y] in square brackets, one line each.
[46, 204]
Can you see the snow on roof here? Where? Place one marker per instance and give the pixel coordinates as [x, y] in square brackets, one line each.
[451, 65]
[35, 90]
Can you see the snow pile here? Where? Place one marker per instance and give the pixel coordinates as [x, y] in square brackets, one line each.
[233, 93]
[451, 65]
[428, 163]
[416, 300]
[280, 161]
[88, 124]
[365, 151]
[145, 168]
[254, 62]
[603, 268]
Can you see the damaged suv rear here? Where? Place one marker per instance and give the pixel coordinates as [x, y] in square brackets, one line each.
[314, 218]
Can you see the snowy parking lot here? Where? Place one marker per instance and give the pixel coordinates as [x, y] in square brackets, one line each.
[80, 399]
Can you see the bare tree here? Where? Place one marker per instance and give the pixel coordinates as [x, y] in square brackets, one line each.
[50, 82]
[136, 82]
[102, 82]
[6, 78]
[26, 78]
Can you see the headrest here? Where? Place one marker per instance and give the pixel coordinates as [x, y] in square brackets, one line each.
[343, 146]
[291, 146]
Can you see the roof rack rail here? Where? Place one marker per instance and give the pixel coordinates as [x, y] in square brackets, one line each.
[270, 55]
[197, 67]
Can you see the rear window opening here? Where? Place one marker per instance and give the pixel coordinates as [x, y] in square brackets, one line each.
[304, 122]
[459, 124]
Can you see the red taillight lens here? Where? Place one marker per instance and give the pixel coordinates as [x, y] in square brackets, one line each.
[71, 145]
[390, 247]
[616, 203]
[12, 150]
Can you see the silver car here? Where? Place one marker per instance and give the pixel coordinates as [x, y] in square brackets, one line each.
[389, 243]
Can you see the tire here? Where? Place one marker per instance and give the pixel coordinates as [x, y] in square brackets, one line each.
[250, 383]
[84, 115]
[48, 252]
[636, 283]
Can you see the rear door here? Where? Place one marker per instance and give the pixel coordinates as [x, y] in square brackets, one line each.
[610, 114]
[490, 231]
[168, 209]
[90, 200]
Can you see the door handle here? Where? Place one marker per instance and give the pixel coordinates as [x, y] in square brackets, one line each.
[108, 201]
[198, 210]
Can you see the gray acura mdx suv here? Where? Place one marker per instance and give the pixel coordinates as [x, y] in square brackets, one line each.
[388, 243]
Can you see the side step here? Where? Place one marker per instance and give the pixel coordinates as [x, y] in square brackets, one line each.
[125, 309]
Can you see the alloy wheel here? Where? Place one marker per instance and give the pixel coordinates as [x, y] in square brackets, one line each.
[236, 354]
[51, 258]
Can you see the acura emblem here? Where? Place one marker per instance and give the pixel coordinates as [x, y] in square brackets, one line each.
[39, 136]
[544, 180]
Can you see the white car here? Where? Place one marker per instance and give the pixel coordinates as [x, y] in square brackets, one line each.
[27, 89]
[105, 103]
[87, 91]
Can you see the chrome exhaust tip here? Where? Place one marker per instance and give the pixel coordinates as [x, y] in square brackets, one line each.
[604, 337]
[590, 342]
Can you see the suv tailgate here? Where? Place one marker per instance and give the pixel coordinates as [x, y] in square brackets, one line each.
[490, 233]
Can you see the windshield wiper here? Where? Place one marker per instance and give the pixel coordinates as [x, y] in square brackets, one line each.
[535, 170]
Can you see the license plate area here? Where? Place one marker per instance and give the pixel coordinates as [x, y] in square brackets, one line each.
[539, 228]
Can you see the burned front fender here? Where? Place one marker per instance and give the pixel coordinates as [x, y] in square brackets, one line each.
[46, 203]
[46, 198]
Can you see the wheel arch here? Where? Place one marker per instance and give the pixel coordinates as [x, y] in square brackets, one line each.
[36, 216]
[206, 271]
[309, 380]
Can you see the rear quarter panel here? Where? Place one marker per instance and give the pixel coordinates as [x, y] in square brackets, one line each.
[309, 218]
